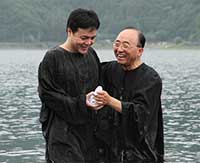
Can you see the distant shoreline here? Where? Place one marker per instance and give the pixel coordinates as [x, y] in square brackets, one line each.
[97, 45]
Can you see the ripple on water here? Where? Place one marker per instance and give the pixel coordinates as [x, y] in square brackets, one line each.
[20, 132]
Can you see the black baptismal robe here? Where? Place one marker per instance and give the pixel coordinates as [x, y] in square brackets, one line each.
[136, 134]
[67, 124]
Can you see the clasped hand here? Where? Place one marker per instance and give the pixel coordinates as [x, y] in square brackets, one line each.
[97, 100]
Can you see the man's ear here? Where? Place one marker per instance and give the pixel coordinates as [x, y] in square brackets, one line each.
[69, 31]
[140, 51]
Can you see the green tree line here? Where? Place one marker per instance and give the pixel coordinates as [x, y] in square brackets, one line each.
[45, 20]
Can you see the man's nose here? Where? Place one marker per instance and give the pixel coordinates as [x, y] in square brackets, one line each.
[89, 42]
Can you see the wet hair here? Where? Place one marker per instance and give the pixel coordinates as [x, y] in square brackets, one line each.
[82, 18]
[141, 37]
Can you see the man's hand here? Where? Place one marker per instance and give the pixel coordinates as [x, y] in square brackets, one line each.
[92, 103]
[103, 98]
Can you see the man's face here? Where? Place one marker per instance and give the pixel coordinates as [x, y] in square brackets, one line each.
[125, 48]
[82, 39]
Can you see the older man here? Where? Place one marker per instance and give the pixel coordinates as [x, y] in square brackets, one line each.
[131, 125]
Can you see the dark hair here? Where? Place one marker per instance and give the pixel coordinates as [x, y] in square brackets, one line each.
[141, 37]
[82, 18]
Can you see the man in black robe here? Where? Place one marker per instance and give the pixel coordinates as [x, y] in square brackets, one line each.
[130, 127]
[66, 75]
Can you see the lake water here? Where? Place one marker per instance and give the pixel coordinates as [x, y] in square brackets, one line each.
[21, 140]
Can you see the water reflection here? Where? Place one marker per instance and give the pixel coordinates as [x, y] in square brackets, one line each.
[20, 135]
[181, 103]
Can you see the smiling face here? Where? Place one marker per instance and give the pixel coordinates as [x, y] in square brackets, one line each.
[81, 40]
[126, 49]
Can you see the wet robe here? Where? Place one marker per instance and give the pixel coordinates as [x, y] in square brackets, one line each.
[67, 124]
[136, 134]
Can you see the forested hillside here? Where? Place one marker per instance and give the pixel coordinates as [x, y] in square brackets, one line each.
[44, 20]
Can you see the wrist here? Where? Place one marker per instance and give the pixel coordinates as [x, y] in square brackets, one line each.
[110, 100]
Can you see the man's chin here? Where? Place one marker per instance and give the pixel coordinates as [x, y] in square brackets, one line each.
[83, 51]
[121, 62]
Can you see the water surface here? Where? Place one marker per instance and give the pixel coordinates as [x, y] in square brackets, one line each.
[21, 140]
